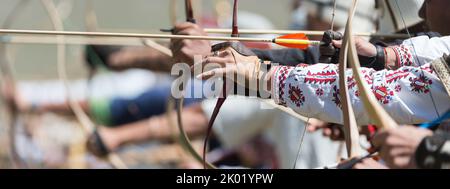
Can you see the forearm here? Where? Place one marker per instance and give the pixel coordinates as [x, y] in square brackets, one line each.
[416, 51]
[163, 63]
[158, 127]
[60, 108]
[140, 57]
[313, 91]
[289, 57]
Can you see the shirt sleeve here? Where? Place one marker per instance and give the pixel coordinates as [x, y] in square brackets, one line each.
[289, 56]
[313, 91]
[418, 51]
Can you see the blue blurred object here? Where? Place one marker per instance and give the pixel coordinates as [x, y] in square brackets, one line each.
[436, 122]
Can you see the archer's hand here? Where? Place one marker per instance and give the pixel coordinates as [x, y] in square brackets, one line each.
[331, 130]
[233, 65]
[184, 50]
[398, 146]
[363, 47]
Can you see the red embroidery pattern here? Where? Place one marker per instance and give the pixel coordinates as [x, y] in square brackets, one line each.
[428, 69]
[383, 94]
[421, 84]
[351, 82]
[282, 75]
[398, 88]
[324, 77]
[336, 98]
[296, 95]
[302, 65]
[369, 79]
[396, 75]
[319, 92]
[404, 55]
[357, 93]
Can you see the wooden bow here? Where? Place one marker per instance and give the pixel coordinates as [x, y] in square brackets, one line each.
[7, 76]
[221, 100]
[351, 131]
[184, 139]
[86, 123]
[376, 112]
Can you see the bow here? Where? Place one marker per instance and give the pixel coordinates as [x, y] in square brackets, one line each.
[376, 112]
[87, 125]
[7, 76]
[184, 139]
[221, 100]
[351, 131]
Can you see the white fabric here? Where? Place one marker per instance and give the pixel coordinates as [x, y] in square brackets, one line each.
[410, 94]
[426, 50]
[405, 93]
[240, 119]
[111, 84]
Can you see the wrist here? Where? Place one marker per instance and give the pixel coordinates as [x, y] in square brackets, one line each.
[265, 80]
[390, 58]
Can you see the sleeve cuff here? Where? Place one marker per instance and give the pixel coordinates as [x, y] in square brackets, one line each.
[279, 77]
[404, 55]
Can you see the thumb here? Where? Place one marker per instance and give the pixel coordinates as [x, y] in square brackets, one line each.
[337, 43]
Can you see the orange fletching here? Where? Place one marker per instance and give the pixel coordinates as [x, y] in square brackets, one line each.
[300, 36]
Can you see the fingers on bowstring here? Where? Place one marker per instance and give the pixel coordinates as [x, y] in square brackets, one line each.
[337, 43]
[209, 63]
[215, 60]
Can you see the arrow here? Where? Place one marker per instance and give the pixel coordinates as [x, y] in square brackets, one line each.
[291, 40]
[284, 32]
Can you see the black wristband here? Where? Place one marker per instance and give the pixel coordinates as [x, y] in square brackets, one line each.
[380, 60]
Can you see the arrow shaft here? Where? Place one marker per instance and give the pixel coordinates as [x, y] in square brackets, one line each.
[130, 35]
[307, 32]
[140, 35]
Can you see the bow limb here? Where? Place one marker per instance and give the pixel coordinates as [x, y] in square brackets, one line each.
[7, 76]
[90, 17]
[87, 125]
[221, 100]
[189, 11]
[351, 131]
[183, 136]
[376, 112]
[176, 104]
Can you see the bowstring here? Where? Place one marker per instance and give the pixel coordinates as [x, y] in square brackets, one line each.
[299, 150]
[416, 57]
[333, 15]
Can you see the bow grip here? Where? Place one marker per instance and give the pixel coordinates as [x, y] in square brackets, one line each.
[329, 53]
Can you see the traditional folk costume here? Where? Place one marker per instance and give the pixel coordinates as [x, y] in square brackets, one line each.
[414, 93]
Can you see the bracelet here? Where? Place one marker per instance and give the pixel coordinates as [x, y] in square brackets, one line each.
[380, 60]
